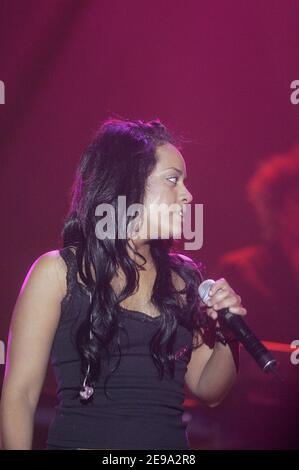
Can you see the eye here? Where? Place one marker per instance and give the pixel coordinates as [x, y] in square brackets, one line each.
[173, 177]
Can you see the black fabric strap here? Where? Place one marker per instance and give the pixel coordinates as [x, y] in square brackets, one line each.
[71, 276]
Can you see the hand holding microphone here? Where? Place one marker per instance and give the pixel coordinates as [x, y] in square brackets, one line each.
[226, 304]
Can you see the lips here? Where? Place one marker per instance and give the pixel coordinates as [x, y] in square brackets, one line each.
[182, 211]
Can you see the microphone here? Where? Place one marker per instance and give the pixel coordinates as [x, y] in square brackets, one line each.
[242, 332]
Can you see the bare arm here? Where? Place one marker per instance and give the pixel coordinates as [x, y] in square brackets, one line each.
[212, 372]
[33, 325]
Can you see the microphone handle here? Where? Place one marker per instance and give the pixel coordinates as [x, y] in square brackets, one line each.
[251, 343]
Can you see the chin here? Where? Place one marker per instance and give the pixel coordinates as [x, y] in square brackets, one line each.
[176, 232]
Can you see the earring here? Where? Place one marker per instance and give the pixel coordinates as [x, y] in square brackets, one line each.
[87, 391]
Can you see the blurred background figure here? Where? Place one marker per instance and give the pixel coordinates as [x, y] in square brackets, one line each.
[261, 412]
[268, 272]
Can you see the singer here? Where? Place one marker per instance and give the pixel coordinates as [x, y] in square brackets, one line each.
[120, 319]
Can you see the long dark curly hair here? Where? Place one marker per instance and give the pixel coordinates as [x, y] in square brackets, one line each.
[118, 161]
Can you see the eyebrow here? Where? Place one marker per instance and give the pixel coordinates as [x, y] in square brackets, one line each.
[176, 169]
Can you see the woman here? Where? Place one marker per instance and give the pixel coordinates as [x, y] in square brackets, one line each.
[119, 317]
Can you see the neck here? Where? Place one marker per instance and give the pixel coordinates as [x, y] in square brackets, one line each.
[144, 249]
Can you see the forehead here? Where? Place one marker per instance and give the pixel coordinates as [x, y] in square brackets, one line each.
[169, 156]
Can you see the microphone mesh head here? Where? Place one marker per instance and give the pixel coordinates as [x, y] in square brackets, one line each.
[204, 288]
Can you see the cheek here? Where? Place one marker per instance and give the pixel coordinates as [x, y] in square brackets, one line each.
[158, 195]
[151, 194]
[158, 205]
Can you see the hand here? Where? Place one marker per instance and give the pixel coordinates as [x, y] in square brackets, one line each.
[223, 296]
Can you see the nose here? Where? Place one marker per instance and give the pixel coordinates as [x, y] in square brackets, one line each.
[187, 196]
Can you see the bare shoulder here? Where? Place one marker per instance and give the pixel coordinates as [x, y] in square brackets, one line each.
[186, 261]
[185, 258]
[34, 321]
[44, 285]
[201, 353]
[180, 284]
[49, 268]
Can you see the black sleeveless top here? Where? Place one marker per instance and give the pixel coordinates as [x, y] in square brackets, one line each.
[143, 411]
